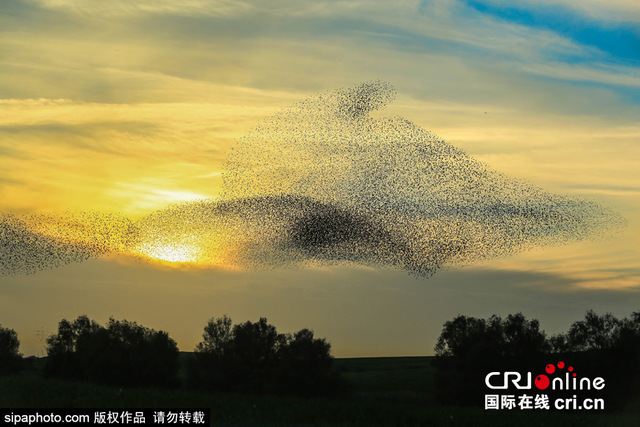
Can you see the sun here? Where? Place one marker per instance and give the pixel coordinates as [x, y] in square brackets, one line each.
[206, 250]
[176, 253]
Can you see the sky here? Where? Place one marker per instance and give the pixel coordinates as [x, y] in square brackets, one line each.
[128, 107]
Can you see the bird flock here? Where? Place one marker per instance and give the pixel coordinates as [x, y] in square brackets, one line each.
[322, 182]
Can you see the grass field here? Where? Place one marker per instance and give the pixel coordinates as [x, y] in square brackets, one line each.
[382, 392]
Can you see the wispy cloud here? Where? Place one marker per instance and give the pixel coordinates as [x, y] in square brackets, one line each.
[123, 7]
[299, 47]
[60, 154]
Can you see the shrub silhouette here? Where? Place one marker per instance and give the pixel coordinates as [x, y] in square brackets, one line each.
[122, 353]
[10, 358]
[254, 357]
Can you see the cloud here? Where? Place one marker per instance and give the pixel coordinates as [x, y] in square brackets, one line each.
[603, 75]
[61, 154]
[604, 10]
[305, 47]
[123, 7]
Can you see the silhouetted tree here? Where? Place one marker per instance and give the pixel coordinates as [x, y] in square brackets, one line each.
[559, 343]
[629, 332]
[523, 337]
[469, 348]
[306, 364]
[599, 332]
[216, 338]
[123, 353]
[242, 357]
[595, 332]
[255, 357]
[255, 354]
[603, 345]
[10, 358]
[623, 357]
[599, 346]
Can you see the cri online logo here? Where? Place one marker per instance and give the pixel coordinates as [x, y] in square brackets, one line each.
[568, 381]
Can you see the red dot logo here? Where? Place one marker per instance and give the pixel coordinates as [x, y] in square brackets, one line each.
[542, 382]
[560, 365]
[570, 368]
[550, 369]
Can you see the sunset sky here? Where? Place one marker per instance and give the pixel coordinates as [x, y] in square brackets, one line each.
[128, 107]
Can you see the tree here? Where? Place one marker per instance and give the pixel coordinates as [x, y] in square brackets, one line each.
[609, 347]
[255, 351]
[306, 364]
[216, 339]
[468, 348]
[559, 343]
[463, 334]
[629, 332]
[600, 345]
[62, 358]
[10, 358]
[523, 337]
[257, 344]
[254, 357]
[241, 358]
[512, 337]
[595, 332]
[122, 353]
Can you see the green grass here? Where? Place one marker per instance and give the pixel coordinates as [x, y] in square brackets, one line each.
[383, 392]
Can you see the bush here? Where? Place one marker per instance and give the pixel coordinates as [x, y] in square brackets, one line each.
[254, 357]
[10, 358]
[122, 353]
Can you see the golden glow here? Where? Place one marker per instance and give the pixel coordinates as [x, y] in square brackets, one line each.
[127, 158]
[177, 243]
[185, 250]
[172, 253]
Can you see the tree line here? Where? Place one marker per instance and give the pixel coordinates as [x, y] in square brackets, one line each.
[247, 357]
[255, 357]
[600, 345]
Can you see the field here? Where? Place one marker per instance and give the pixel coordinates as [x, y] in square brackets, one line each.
[381, 392]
